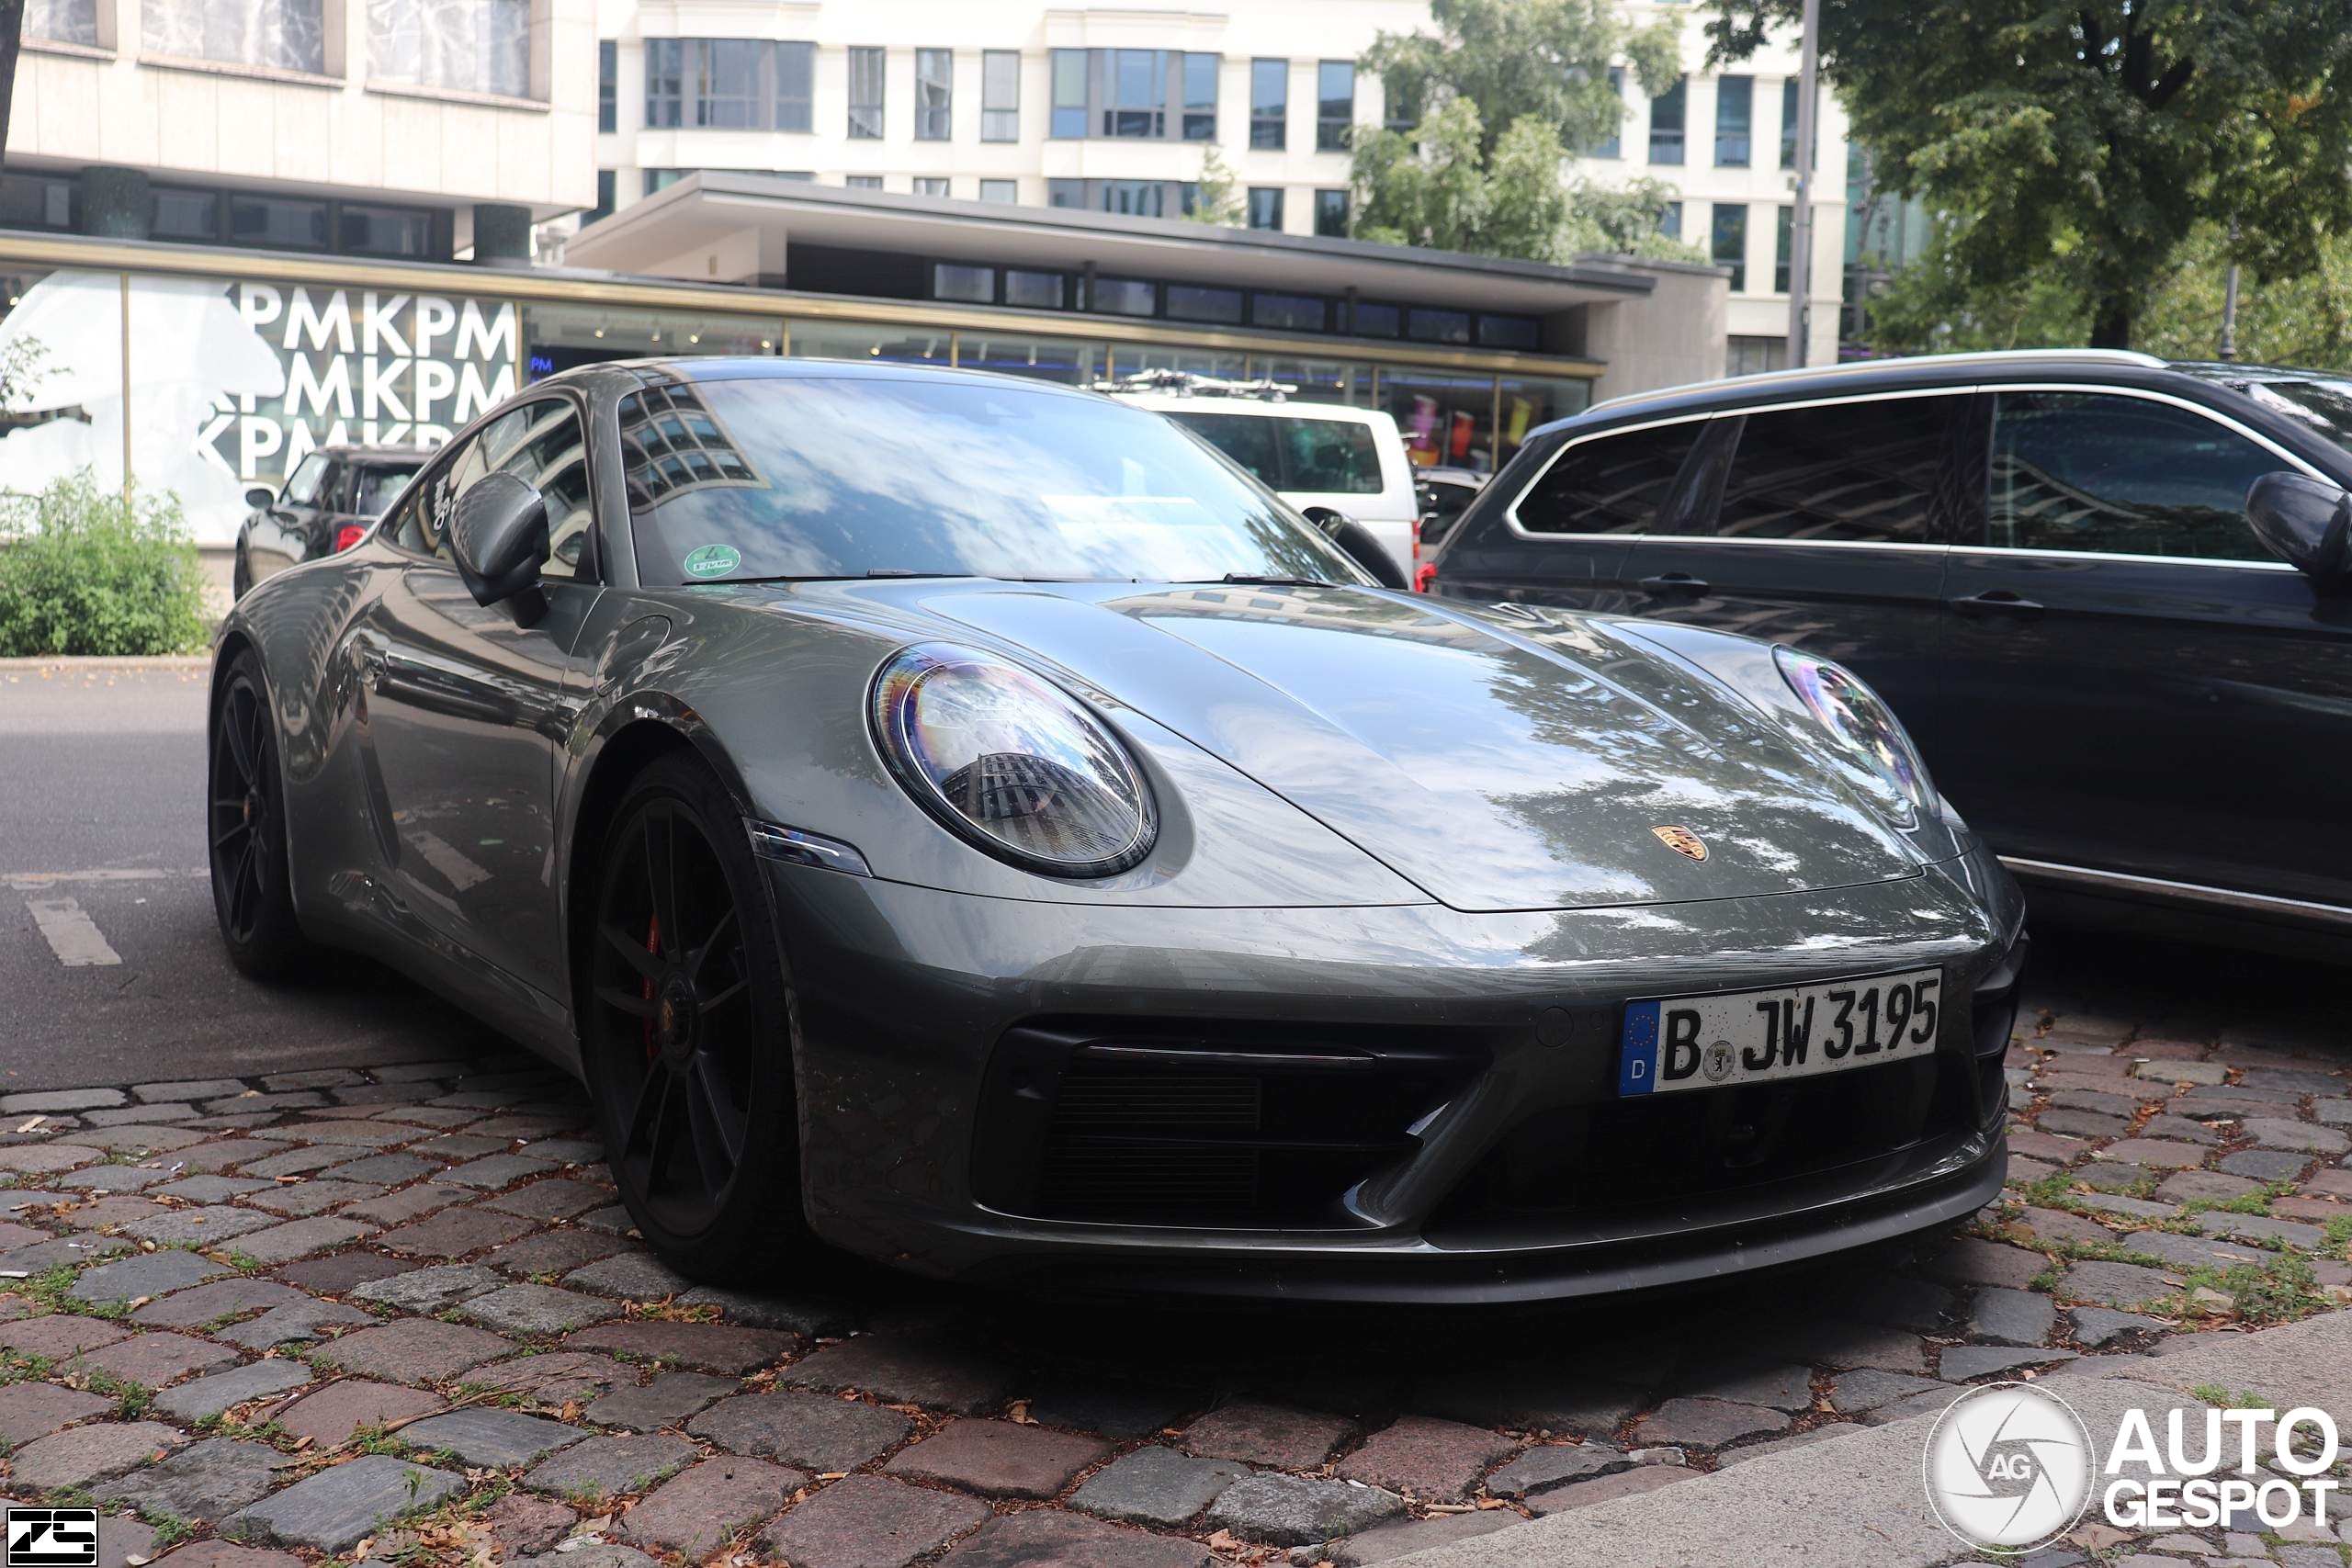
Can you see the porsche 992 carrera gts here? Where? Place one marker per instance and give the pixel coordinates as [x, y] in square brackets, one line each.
[970, 823]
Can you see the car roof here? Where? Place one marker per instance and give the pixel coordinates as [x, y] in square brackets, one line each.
[1924, 370]
[1292, 407]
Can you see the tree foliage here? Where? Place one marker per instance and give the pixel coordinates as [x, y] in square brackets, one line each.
[1217, 196]
[2075, 148]
[1497, 101]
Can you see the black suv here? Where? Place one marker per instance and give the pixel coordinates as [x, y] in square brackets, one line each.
[2110, 596]
[326, 505]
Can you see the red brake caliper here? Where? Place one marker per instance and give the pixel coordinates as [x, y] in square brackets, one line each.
[652, 945]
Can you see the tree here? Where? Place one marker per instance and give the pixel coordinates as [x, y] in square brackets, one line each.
[1497, 103]
[1216, 198]
[12, 29]
[2079, 147]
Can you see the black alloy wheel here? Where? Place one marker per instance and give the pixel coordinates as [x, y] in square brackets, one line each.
[686, 1030]
[246, 829]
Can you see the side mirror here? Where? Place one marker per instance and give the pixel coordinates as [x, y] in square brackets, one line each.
[500, 537]
[1361, 545]
[261, 498]
[2306, 522]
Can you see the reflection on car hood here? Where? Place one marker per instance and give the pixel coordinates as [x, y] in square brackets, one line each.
[1498, 765]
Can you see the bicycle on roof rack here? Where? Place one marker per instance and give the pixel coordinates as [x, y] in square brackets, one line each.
[1191, 384]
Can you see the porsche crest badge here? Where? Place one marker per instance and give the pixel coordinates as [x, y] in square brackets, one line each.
[1682, 840]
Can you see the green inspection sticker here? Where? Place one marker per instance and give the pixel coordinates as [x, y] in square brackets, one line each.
[712, 560]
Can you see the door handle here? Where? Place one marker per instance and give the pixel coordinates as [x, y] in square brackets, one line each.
[1997, 602]
[1673, 582]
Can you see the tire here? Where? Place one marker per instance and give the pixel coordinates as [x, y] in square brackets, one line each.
[241, 577]
[253, 895]
[686, 1026]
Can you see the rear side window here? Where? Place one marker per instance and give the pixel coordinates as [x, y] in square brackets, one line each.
[1608, 484]
[1316, 456]
[1860, 472]
[2122, 475]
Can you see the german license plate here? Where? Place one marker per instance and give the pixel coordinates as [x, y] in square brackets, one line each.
[1738, 1037]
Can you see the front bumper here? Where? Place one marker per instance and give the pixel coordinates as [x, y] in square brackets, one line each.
[1391, 1103]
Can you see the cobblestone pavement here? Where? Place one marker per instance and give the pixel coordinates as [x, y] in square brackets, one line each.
[399, 1315]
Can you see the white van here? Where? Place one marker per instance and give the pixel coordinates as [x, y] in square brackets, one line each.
[1325, 456]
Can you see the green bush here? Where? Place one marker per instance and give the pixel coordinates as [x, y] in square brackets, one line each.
[86, 570]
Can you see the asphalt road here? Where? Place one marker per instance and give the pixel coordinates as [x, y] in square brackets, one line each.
[101, 805]
[102, 853]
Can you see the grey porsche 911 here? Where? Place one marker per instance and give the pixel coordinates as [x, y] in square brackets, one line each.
[967, 822]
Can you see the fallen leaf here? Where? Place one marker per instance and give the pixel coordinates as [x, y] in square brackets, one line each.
[1224, 1540]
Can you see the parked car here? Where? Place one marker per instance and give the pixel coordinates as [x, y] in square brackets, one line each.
[969, 822]
[1445, 494]
[2107, 593]
[325, 504]
[1320, 457]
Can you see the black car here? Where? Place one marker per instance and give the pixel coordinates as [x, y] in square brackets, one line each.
[2109, 595]
[326, 505]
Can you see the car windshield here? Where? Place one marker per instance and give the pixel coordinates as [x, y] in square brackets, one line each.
[373, 490]
[1330, 456]
[2325, 405]
[830, 477]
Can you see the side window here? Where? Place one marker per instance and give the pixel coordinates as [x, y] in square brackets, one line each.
[1863, 472]
[302, 484]
[2120, 476]
[1247, 440]
[1330, 456]
[1608, 484]
[549, 452]
[421, 523]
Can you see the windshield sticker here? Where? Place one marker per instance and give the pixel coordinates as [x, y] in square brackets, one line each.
[712, 560]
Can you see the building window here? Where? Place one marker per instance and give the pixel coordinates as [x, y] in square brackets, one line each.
[1196, 302]
[1269, 104]
[1735, 121]
[277, 222]
[935, 92]
[1138, 97]
[1200, 98]
[1069, 94]
[866, 94]
[728, 83]
[63, 21]
[657, 180]
[1289, 312]
[1670, 221]
[931, 184]
[972, 285]
[1335, 104]
[1331, 214]
[1004, 191]
[287, 34]
[1374, 321]
[1780, 249]
[1789, 126]
[1666, 123]
[363, 229]
[1034, 290]
[1745, 355]
[1730, 242]
[1065, 193]
[1615, 145]
[1438, 326]
[861, 182]
[605, 198]
[1124, 296]
[1266, 207]
[1000, 95]
[176, 214]
[1510, 331]
[472, 46]
[1140, 199]
[38, 202]
[608, 84]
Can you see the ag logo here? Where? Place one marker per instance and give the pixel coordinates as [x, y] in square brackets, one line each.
[52, 1538]
[2008, 1467]
[1682, 840]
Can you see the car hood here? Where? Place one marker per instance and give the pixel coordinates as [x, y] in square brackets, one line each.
[1498, 761]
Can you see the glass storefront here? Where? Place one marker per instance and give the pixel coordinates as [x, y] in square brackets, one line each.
[557, 337]
[866, 340]
[1075, 362]
[1529, 401]
[1447, 420]
[1319, 381]
[1127, 359]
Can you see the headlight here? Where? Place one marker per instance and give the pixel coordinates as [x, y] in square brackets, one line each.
[1865, 742]
[1010, 764]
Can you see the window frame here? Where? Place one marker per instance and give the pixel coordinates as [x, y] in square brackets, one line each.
[1326, 139]
[879, 56]
[1679, 94]
[939, 117]
[1278, 119]
[991, 128]
[608, 85]
[1743, 136]
[2236, 427]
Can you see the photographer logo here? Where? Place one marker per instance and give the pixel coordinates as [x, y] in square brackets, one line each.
[2008, 1467]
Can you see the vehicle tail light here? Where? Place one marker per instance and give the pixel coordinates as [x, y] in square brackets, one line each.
[1424, 577]
[1420, 583]
[349, 535]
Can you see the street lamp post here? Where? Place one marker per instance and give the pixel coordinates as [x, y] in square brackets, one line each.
[1801, 218]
